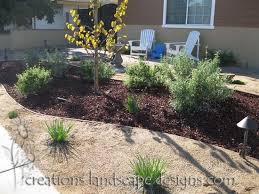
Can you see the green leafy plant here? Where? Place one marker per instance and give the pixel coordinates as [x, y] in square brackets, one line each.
[105, 71]
[142, 75]
[34, 57]
[197, 88]
[58, 132]
[33, 80]
[131, 105]
[13, 114]
[226, 58]
[238, 82]
[149, 170]
[75, 58]
[57, 62]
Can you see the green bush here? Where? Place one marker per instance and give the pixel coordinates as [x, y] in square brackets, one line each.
[142, 75]
[148, 170]
[75, 58]
[12, 114]
[58, 132]
[57, 62]
[33, 80]
[226, 57]
[105, 71]
[237, 82]
[196, 89]
[131, 105]
[34, 57]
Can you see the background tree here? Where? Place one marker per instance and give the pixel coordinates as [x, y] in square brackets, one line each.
[90, 37]
[6, 15]
[21, 12]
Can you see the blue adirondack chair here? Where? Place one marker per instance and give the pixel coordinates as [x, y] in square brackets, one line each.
[158, 51]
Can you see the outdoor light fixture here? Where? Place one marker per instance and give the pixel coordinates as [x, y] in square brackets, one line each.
[247, 124]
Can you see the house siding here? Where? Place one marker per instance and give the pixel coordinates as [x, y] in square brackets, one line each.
[235, 13]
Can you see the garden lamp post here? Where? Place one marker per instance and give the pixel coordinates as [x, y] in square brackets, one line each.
[247, 124]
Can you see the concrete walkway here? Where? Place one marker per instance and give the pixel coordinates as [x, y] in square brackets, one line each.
[13, 180]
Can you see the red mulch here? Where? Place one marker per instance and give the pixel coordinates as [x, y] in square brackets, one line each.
[216, 126]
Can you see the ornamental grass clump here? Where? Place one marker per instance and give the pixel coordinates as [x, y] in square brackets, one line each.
[148, 170]
[131, 105]
[33, 80]
[58, 131]
[197, 88]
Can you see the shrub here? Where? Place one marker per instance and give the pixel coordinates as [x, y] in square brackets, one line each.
[195, 89]
[131, 105]
[33, 80]
[142, 75]
[34, 57]
[226, 57]
[57, 62]
[237, 82]
[75, 58]
[58, 132]
[12, 114]
[148, 170]
[105, 71]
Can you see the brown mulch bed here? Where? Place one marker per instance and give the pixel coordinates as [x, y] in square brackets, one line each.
[216, 126]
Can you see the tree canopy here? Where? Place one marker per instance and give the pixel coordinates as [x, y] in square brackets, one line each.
[21, 12]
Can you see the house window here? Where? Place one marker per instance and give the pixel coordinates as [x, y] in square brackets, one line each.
[189, 13]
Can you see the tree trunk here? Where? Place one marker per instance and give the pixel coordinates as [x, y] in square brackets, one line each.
[96, 71]
[96, 57]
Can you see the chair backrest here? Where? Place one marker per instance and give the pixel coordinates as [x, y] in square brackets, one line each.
[192, 40]
[147, 38]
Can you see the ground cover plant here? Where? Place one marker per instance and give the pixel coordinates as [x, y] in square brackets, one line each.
[33, 80]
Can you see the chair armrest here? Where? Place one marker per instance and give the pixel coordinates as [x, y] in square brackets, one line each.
[176, 45]
[131, 42]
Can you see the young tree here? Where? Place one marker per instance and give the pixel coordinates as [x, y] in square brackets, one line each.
[90, 37]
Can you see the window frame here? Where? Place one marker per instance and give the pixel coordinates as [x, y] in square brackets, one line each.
[195, 26]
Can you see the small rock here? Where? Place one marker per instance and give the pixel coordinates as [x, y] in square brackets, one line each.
[62, 99]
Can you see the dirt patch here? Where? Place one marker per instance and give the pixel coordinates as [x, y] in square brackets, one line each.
[216, 126]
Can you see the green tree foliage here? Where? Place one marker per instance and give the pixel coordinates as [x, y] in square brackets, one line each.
[22, 11]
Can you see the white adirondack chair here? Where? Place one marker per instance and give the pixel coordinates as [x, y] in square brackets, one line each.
[143, 46]
[192, 41]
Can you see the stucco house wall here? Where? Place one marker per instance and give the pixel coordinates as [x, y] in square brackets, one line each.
[236, 27]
